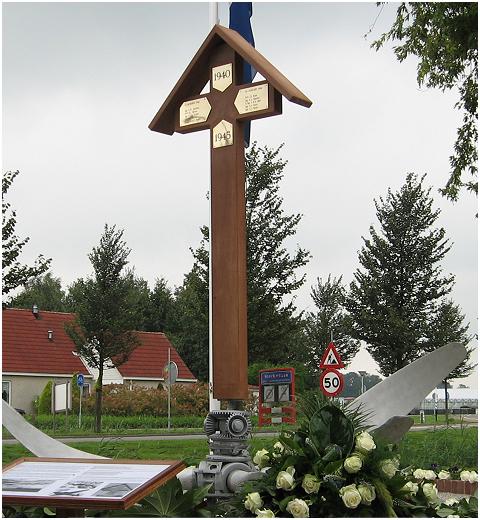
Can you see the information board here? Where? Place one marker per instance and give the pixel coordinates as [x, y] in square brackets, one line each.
[83, 483]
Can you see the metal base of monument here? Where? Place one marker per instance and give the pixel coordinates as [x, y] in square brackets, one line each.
[229, 463]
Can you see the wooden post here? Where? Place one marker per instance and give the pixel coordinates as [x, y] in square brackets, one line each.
[228, 246]
[223, 111]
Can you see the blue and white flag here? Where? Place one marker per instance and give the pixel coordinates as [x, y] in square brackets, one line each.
[240, 14]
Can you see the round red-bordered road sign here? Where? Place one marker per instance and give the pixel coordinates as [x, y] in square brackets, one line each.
[331, 382]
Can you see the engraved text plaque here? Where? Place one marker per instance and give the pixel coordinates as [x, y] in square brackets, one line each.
[194, 111]
[222, 77]
[222, 134]
[252, 99]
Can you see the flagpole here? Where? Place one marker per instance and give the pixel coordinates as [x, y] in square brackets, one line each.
[213, 13]
[214, 404]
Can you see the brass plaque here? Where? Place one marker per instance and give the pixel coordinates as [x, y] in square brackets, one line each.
[252, 99]
[194, 111]
[222, 134]
[222, 77]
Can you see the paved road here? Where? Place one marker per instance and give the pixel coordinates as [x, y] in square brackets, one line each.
[199, 436]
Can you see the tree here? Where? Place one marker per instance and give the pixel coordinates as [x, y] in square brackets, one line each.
[395, 300]
[273, 322]
[14, 273]
[274, 328]
[329, 321]
[444, 36]
[353, 383]
[189, 325]
[448, 326]
[44, 291]
[103, 329]
[160, 312]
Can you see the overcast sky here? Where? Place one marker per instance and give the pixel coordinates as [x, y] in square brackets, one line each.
[82, 81]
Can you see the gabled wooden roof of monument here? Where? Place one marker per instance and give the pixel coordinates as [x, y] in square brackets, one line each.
[196, 76]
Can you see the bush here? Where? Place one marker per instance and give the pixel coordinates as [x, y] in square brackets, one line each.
[120, 400]
[45, 399]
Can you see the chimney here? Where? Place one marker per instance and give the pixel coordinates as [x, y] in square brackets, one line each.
[50, 335]
[35, 311]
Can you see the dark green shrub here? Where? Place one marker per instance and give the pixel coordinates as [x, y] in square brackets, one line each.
[45, 399]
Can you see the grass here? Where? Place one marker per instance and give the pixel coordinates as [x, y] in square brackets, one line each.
[420, 449]
[445, 447]
[430, 419]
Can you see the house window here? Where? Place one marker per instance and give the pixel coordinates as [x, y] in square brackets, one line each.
[6, 391]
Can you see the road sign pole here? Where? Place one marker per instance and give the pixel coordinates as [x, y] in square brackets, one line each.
[169, 385]
[80, 409]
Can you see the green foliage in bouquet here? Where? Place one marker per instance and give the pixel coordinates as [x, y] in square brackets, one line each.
[332, 467]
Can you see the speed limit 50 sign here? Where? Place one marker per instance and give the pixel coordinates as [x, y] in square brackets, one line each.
[331, 382]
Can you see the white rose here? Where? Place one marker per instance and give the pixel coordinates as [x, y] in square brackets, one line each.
[350, 496]
[298, 508]
[364, 443]
[278, 449]
[465, 475]
[473, 477]
[451, 501]
[411, 487]
[443, 475]
[265, 513]
[388, 467]
[310, 483]
[453, 516]
[261, 458]
[430, 475]
[285, 479]
[419, 473]
[253, 502]
[353, 464]
[367, 492]
[430, 492]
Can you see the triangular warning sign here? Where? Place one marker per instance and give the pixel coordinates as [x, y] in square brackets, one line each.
[331, 358]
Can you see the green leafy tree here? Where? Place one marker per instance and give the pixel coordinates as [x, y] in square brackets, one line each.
[396, 297]
[45, 291]
[138, 299]
[353, 383]
[103, 330]
[329, 321]
[15, 274]
[189, 323]
[273, 323]
[448, 325]
[160, 311]
[274, 327]
[444, 37]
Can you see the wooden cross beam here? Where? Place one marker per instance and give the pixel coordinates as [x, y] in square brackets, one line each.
[223, 111]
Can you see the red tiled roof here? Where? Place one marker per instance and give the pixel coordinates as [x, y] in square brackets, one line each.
[27, 349]
[149, 359]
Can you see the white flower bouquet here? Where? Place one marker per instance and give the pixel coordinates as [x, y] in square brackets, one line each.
[331, 466]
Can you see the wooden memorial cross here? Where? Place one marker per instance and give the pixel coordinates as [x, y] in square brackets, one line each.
[223, 111]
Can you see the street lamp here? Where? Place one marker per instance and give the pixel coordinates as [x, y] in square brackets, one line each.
[363, 374]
